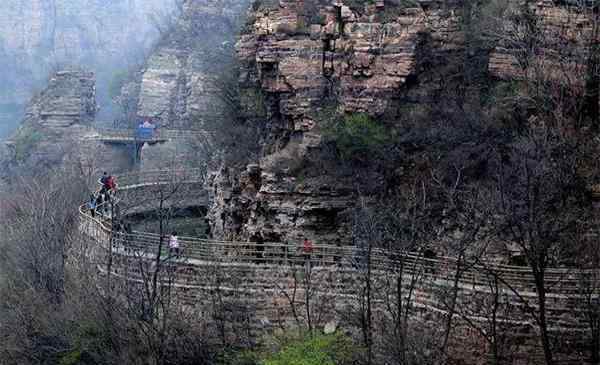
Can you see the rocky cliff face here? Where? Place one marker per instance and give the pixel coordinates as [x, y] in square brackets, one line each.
[300, 57]
[39, 36]
[563, 29]
[54, 130]
[55, 120]
[176, 82]
[177, 85]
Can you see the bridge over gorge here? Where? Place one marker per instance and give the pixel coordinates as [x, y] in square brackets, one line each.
[134, 139]
[278, 282]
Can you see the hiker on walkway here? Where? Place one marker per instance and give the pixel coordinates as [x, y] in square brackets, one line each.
[99, 205]
[174, 244]
[148, 124]
[111, 184]
[108, 183]
[145, 129]
[104, 178]
[307, 249]
[92, 206]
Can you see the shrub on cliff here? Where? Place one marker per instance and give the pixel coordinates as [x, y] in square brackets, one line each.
[357, 136]
[293, 348]
[314, 350]
[24, 141]
[117, 81]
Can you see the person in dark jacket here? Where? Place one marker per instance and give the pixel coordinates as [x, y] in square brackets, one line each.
[92, 205]
[104, 178]
[99, 205]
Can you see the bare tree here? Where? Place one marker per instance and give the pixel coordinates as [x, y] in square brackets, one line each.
[542, 201]
[36, 304]
[588, 302]
[151, 266]
[404, 220]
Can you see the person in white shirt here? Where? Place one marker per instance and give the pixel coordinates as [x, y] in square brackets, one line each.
[174, 244]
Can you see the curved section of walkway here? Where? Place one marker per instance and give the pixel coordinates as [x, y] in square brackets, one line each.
[340, 270]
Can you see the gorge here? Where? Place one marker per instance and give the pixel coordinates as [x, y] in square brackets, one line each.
[416, 177]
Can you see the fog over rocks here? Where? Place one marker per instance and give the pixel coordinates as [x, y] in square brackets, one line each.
[38, 37]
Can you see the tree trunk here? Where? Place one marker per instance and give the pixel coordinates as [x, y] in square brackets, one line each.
[543, 326]
[591, 109]
[369, 335]
[400, 327]
[452, 307]
[595, 358]
[307, 289]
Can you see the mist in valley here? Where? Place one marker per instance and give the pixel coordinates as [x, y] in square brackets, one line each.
[38, 37]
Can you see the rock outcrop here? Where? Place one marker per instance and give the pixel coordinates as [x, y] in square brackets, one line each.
[564, 32]
[177, 83]
[55, 120]
[177, 86]
[52, 133]
[297, 58]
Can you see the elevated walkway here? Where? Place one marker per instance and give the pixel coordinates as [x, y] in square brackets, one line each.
[268, 271]
[133, 136]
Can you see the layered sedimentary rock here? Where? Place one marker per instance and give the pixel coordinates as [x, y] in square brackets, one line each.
[177, 82]
[297, 58]
[177, 87]
[56, 121]
[564, 34]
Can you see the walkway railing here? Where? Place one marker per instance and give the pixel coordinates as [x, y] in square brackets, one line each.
[158, 177]
[559, 281]
[115, 134]
[566, 287]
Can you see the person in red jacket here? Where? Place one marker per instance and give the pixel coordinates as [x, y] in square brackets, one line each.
[307, 249]
[111, 184]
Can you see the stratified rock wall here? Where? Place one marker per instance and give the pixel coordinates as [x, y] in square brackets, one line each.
[53, 133]
[297, 58]
[177, 87]
[55, 120]
[563, 29]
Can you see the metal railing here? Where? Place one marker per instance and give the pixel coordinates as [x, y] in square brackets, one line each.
[562, 284]
[156, 135]
[192, 249]
[158, 177]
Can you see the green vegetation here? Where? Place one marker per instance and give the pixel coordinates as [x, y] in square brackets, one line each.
[25, 139]
[245, 357]
[71, 358]
[318, 19]
[314, 350]
[358, 5]
[117, 81]
[304, 349]
[253, 103]
[357, 135]
[262, 5]
[300, 28]
[501, 91]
